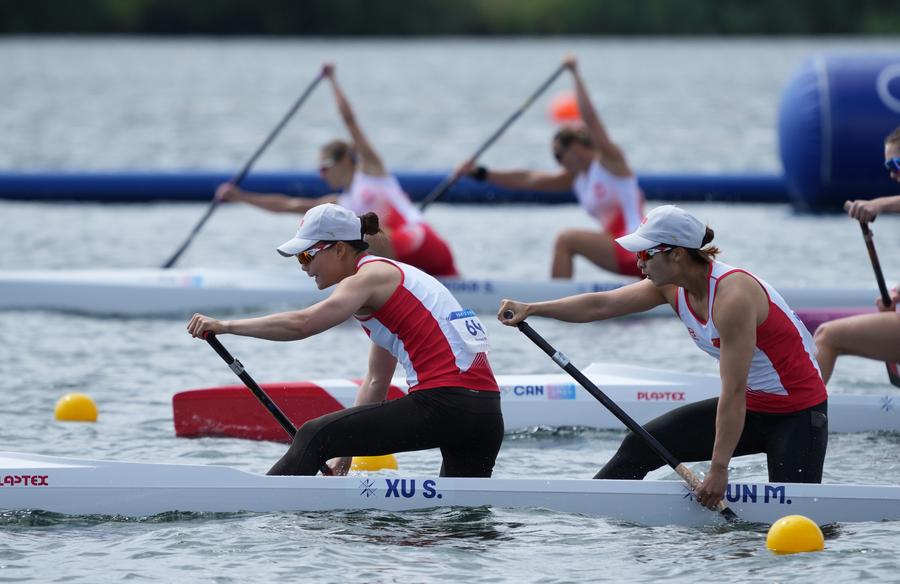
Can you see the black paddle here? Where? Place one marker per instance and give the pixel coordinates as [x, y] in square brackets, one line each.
[239, 177]
[560, 359]
[448, 182]
[892, 368]
[264, 399]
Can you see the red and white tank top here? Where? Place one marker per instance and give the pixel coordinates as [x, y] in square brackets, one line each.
[615, 201]
[438, 343]
[784, 376]
[382, 195]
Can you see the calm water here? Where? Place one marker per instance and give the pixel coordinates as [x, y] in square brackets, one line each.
[674, 105]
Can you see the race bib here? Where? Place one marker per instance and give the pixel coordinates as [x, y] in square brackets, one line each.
[470, 331]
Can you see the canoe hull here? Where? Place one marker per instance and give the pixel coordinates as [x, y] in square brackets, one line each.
[86, 487]
[185, 291]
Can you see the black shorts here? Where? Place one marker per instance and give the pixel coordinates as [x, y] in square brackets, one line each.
[794, 443]
[467, 425]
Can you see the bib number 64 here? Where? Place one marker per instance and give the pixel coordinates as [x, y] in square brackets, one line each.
[474, 327]
[470, 330]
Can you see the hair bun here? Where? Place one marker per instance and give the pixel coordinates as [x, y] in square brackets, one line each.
[369, 222]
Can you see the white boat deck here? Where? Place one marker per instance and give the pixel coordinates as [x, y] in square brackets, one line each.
[85, 487]
[156, 292]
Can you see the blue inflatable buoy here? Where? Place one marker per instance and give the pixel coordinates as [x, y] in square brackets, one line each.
[835, 113]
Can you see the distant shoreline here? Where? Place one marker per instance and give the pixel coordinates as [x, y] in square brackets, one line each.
[477, 18]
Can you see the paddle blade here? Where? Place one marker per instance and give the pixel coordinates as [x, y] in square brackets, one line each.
[893, 370]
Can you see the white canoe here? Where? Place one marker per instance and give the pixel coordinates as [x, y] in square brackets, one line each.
[528, 400]
[156, 292]
[89, 487]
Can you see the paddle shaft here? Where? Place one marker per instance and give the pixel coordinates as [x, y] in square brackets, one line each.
[893, 369]
[261, 395]
[449, 181]
[876, 265]
[560, 359]
[240, 176]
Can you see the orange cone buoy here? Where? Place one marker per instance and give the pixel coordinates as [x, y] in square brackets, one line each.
[564, 108]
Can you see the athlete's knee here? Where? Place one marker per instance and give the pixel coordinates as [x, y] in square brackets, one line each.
[827, 338]
[311, 435]
[309, 430]
[564, 241]
[633, 445]
[821, 335]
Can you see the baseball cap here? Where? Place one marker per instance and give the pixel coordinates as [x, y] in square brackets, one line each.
[668, 225]
[328, 222]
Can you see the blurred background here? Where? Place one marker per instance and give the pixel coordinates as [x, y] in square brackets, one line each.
[715, 88]
[170, 87]
[410, 18]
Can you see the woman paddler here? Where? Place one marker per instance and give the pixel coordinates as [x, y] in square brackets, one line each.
[357, 170]
[595, 168]
[875, 336]
[772, 399]
[453, 401]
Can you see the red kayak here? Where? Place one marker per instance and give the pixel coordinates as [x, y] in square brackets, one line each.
[232, 411]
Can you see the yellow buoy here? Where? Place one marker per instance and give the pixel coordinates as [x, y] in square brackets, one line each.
[76, 407]
[370, 463]
[795, 534]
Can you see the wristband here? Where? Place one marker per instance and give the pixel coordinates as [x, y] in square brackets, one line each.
[480, 173]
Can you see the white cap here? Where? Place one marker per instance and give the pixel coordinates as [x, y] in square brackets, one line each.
[669, 225]
[328, 222]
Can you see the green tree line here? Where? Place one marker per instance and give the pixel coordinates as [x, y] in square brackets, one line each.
[449, 17]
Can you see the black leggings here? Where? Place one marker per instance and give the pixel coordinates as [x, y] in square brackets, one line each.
[794, 443]
[467, 426]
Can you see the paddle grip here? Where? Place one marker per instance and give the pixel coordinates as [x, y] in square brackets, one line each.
[218, 348]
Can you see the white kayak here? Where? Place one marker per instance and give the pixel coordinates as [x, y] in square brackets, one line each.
[157, 292]
[528, 400]
[90, 487]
